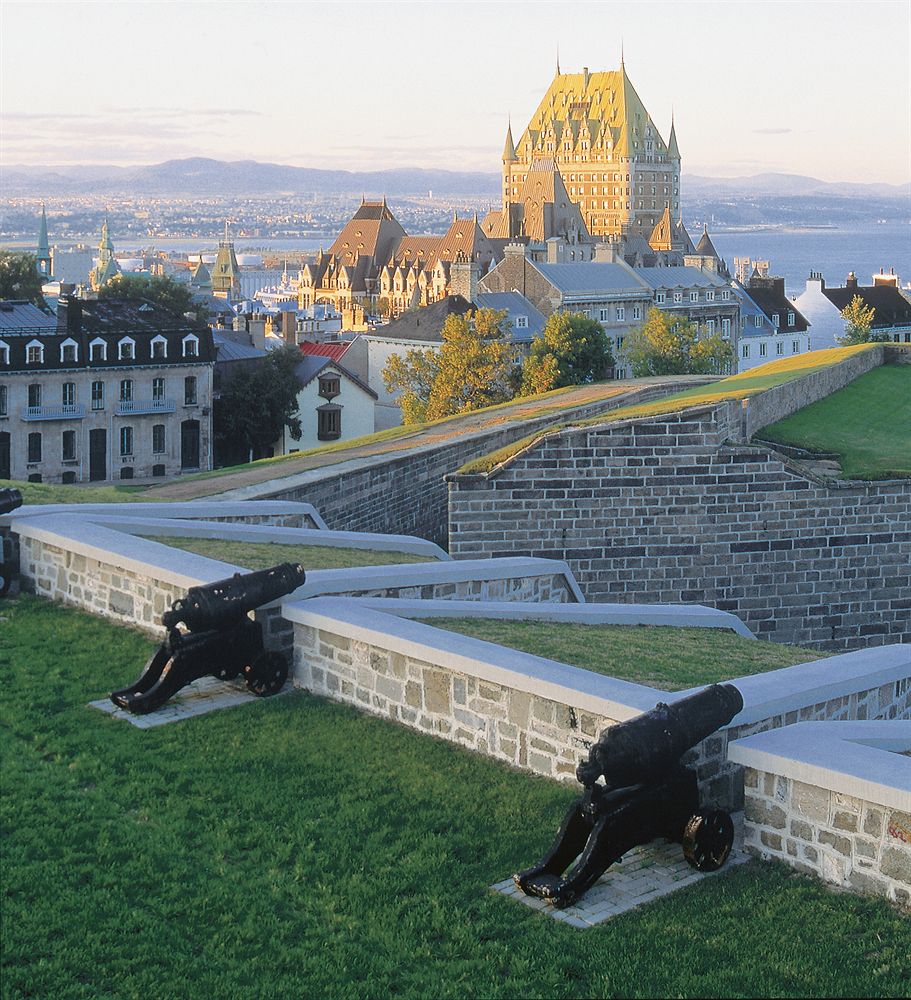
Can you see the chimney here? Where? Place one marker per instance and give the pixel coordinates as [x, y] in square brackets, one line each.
[556, 250]
[463, 279]
[69, 310]
[605, 253]
[851, 280]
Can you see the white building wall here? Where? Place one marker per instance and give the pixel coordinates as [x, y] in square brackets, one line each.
[824, 318]
[357, 417]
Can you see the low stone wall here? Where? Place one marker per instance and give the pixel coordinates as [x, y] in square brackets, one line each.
[543, 716]
[811, 802]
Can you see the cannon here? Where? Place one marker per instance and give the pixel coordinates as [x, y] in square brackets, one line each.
[10, 499]
[636, 790]
[220, 639]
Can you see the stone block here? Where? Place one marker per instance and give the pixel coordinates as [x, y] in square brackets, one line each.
[490, 692]
[895, 862]
[842, 845]
[389, 688]
[413, 694]
[539, 763]
[459, 693]
[810, 801]
[544, 710]
[866, 883]
[864, 848]
[764, 813]
[873, 821]
[120, 603]
[845, 821]
[750, 777]
[519, 711]
[770, 840]
[899, 827]
[436, 691]
[801, 830]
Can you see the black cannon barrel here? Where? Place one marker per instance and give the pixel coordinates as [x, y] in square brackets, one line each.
[10, 499]
[221, 603]
[646, 747]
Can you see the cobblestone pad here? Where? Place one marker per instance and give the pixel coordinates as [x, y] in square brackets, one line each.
[643, 875]
[208, 694]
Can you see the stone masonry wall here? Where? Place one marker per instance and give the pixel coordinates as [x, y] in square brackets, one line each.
[668, 510]
[520, 728]
[845, 840]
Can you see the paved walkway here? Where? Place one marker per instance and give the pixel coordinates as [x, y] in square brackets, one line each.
[560, 406]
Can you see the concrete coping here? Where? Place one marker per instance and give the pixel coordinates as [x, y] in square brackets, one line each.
[765, 695]
[674, 615]
[863, 759]
[343, 581]
[196, 509]
[265, 533]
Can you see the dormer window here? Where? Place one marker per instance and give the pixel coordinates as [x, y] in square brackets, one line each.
[775, 320]
[34, 353]
[190, 346]
[791, 319]
[521, 322]
[69, 351]
[126, 349]
[4, 352]
[159, 348]
[329, 385]
[98, 350]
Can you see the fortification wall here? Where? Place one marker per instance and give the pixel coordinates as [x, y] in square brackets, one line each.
[667, 509]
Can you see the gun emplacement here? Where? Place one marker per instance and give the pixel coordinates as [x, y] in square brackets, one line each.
[646, 793]
[222, 640]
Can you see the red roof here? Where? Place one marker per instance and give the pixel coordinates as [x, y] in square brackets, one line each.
[334, 351]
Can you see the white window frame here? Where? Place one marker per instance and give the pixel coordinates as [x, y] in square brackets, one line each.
[604, 315]
[694, 296]
[69, 342]
[779, 347]
[28, 348]
[725, 295]
[190, 338]
[792, 319]
[4, 352]
[775, 320]
[155, 341]
[795, 347]
[745, 351]
[103, 344]
[660, 298]
[521, 322]
[120, 346]
[678, 297]
[725, 328]
[709, 296]
[637, 312]
[762, 349]
[621, 314]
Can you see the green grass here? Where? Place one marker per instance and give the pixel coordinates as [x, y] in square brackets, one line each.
[868, 424]
[293, 847]
[735, 387]
[262, 555]
[661, 656]
[36, 493]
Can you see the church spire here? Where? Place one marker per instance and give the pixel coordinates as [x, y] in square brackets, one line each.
[43, 251]
[672, 151]
[509, 149]
[558, 59]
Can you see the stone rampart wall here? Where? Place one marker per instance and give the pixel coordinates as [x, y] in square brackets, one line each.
[668, 510]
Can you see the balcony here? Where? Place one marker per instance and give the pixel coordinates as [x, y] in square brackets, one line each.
[65, 411]
[133, 407]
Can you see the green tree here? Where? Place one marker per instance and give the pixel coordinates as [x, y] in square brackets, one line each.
[253, 407]
[858, 319]
[159, 289]
[19, 278]
[473, 368]
[666, 345]
[572, 350]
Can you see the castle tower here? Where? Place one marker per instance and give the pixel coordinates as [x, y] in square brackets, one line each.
[107, 268]
[43, 251]
[613, 161]
[226, 271]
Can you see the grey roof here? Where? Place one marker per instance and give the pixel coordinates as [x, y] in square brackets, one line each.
[590, 276]
[19, 316]
[312, 364]
[231, 350]
[515, 305]
[679, 277]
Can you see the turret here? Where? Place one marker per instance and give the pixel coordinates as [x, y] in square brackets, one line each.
[509, 149]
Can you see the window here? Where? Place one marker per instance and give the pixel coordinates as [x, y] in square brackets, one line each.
[745, 351]
[659, 298]
[621, 314]
[34, 447]
[98, 395]
[126, 390]
[329, 385]
[678, 296]
[694, 296]
[709, 296]
[191, 346]
[4, 353]
[795, 346]
[69, 446]
[710, 326]
[189, 390]
[126, 349]
[157, 439]
[69, 394]
[157, 390]
[725, 295]
[34, 352]
[779, 347]
[791, 319]
[34, 394]
[521, 322]
[3, 401]
[775, 320]
[762, 348]
[159, 348]
[126, 441]
[604, 315]
[98, 350]
[329, 422]
[69, 351]
[725, 328]
[637, 312]
[757, 320]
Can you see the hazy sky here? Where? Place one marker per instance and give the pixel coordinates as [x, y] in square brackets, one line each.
[819, 88]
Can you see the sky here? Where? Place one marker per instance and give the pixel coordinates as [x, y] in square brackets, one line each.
[816, 88]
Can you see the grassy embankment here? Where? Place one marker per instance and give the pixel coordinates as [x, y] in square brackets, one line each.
[736, 387]
[660, 656]
[262, 555]
[293, 847]
[867, 424]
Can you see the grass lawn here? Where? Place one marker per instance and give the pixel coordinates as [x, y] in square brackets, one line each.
[35, 493]
[262, 555]
[293, 848]
[735, 387]
[868, 423]
[661, 656]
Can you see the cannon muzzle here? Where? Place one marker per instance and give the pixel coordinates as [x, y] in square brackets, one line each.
[646, 747]
[217, 605]
[10, 499]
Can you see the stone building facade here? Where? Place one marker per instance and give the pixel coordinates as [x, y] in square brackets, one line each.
[109, 390]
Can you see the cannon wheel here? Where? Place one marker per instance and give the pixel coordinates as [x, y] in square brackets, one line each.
[707, 840]
[267, 673]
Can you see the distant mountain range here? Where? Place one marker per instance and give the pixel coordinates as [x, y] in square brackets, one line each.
[201, 176]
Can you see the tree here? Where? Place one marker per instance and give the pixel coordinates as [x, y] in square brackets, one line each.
[472, 368]
[666, 345]
[572, 350]
[159, 289]
[858, 319]
[254, 407]
[19, 278]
